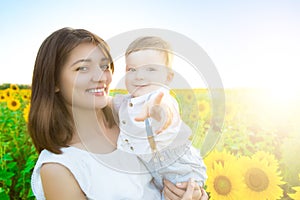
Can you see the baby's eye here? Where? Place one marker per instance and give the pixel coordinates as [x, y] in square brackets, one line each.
[150, 69]
[131, 69]
[83, 68]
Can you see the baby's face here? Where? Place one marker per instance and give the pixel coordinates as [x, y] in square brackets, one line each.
[146, 71]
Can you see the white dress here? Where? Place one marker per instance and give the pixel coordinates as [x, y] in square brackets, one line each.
[112, 176]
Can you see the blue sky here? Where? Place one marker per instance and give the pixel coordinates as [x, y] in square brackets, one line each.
[252, 43]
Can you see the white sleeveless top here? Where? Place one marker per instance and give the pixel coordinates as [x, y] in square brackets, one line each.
[112, 176]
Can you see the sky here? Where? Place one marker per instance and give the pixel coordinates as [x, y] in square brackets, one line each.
[251, 43]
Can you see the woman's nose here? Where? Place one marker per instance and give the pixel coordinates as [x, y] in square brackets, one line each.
[99, 75]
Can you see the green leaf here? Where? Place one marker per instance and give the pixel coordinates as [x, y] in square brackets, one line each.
[3, 195]
[7, 157]
[6, 176]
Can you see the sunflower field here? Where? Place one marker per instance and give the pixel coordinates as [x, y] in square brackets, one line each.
[255, 156]
[17, 153]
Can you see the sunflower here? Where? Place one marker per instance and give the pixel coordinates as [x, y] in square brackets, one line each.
[194, 116]
[261, 179]
[26, 112]
[3, 96]
[270, 158]
[13, 104]
[219, 157]
[14, 87]
[297, 194]
[7, 92]
[189, 97]
[204, 108]
[224, 181]
[25, 94]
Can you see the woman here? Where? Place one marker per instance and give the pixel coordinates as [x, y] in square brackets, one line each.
[73, 128]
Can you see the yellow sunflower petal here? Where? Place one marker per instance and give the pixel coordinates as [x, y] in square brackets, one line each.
[219, 157]
[295, 195]
[270, 158]
[26, 112]
[204, 108]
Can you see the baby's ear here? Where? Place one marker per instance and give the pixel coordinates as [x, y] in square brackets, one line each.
[170, 76]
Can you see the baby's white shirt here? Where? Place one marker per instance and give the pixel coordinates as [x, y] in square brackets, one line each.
[133, 136]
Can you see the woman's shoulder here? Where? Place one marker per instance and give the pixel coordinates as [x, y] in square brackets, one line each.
[52, 161]
[58, 178]
[48, 156]
[67, 166]
[71, 158]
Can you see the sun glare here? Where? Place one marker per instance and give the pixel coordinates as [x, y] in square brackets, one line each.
[283, 95]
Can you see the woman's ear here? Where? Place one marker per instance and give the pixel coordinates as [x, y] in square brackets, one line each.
[56, 89]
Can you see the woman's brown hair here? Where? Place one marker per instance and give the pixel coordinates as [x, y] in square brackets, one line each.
[50, 122]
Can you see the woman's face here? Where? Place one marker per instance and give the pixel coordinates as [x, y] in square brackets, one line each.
[85, 78]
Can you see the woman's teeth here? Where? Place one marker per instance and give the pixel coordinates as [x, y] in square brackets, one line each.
[95, 90]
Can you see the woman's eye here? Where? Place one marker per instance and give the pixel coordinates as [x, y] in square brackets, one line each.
[83, 69]
[104, 67]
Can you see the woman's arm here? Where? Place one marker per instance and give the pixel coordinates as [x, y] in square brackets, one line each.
[59, 183]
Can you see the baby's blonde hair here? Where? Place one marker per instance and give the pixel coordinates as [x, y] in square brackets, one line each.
[151, 43]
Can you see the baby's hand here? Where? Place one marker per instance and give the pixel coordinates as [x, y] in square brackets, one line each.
[158, 111]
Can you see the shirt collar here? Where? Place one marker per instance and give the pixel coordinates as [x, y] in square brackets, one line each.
[143, 98]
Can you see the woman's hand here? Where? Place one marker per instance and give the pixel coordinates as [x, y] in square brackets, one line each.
[184, 191]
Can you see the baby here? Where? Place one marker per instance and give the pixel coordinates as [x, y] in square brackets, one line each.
[149, 119]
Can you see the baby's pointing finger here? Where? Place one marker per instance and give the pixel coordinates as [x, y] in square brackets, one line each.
[158, 99]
